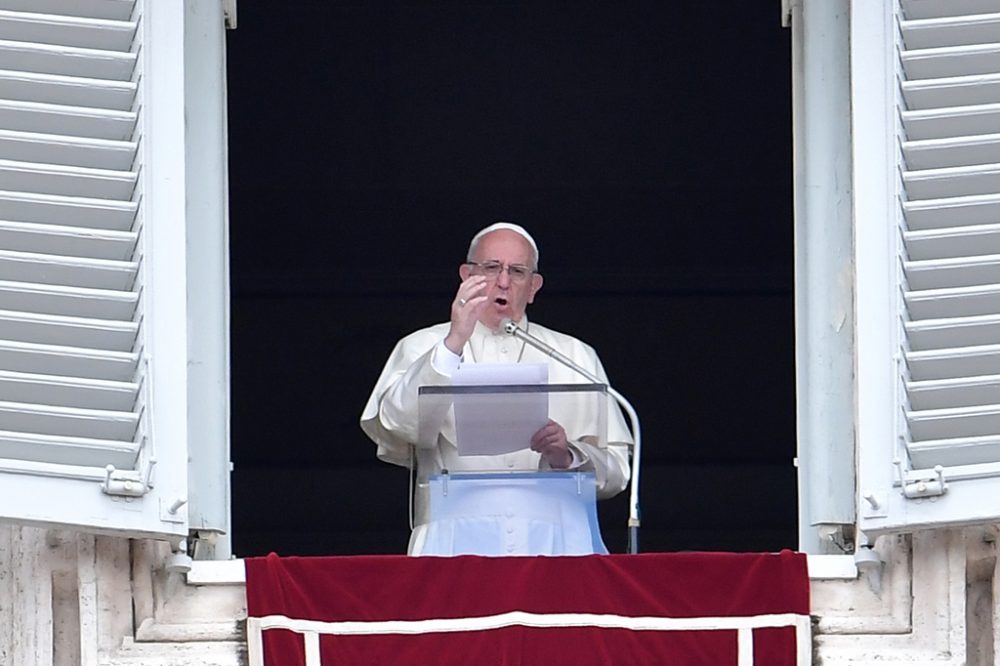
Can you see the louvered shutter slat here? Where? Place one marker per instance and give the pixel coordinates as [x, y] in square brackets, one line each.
[941, 93]
[120, 10]
[55, 269]
[951, 272]
[946, 393]
[83, 152]
[59, 452]
[59, 360]
[67, 241]
[954, 301]
[90, 212]
[67, 119]
[67, 90]
[70, 301]
[950, 31]
[978, 179]
[58, 179]
[954, 211]
[954, 362]
[970, 452]
[66, 61]
[963, 241]
[924, 9]
[948, 152]
[69, 421]
[955, 332]
[956, 422]
[62, 30]
[952, 121]
[937, 63]
[68, 331]
[78, 392]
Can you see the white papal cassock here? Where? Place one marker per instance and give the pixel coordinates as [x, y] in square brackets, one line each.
[391, 416]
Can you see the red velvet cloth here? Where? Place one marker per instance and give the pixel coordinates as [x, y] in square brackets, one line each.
[672, 585]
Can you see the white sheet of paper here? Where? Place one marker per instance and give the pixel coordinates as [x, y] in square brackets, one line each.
[489, 424]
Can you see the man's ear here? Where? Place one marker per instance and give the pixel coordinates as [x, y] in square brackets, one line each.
[536, 284]
[464, 271]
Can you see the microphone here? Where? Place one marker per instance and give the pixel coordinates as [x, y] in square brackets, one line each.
[510, 327]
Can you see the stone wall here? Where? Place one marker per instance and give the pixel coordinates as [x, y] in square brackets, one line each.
[72, 599]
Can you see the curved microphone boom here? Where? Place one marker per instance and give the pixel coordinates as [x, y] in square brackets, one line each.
[510, 327]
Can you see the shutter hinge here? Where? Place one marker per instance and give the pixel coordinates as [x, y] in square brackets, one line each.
[125, 483]
[229, 13]
[920, 485]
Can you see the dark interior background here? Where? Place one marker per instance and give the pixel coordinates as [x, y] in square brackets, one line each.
[646, 146]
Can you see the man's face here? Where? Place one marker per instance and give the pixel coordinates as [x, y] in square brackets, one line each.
[506, 295]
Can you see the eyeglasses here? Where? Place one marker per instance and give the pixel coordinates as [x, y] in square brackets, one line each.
[493, 269]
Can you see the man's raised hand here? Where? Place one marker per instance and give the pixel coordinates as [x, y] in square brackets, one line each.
[469, 303]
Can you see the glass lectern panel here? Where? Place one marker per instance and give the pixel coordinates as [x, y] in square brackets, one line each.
[496, 419]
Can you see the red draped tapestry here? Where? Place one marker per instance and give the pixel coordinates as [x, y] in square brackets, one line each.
[652, 608]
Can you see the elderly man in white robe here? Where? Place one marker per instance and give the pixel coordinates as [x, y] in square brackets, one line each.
[498, 281]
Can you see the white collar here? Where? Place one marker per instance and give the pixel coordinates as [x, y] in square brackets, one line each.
[482, 333]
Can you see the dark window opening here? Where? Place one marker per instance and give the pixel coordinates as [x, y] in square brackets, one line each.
[648, 149]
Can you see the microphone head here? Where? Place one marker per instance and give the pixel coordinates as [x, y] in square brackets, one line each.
[508, 326]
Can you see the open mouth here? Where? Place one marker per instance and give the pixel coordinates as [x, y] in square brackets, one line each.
[500, 300]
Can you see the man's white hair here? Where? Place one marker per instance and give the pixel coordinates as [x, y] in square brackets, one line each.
[509, 226]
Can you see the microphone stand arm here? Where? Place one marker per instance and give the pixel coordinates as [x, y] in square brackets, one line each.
[633, 511]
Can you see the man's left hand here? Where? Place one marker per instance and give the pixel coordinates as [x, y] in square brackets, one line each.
[551, 442]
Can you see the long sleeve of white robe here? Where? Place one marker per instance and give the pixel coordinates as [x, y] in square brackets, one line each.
[391, 416]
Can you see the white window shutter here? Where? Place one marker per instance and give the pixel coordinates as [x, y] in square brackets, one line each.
[926, 98]
[92, 283]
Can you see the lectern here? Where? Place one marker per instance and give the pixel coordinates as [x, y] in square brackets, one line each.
[476, 508]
